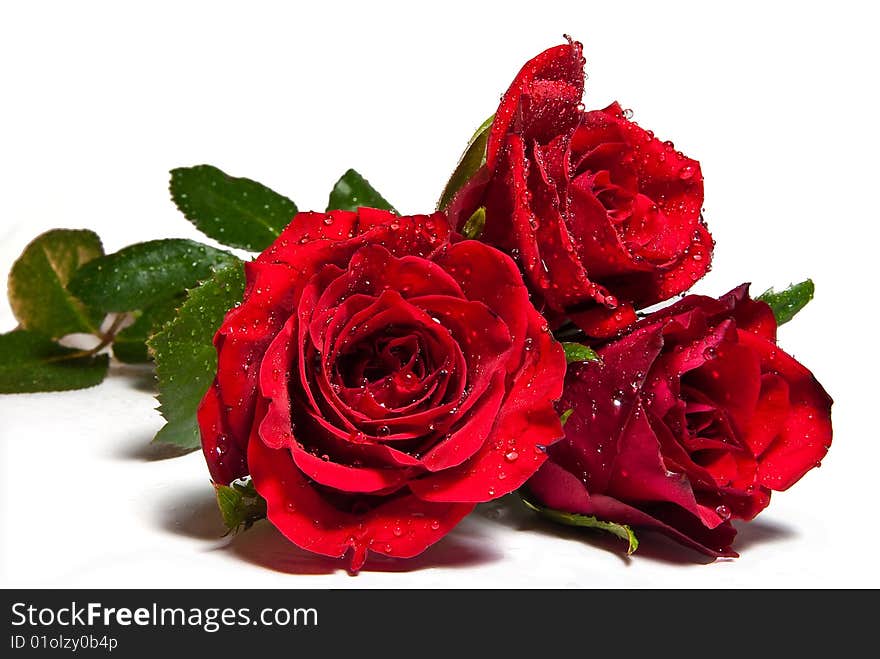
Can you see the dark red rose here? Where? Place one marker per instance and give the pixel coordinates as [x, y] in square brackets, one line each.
[380, 378]
[689, 421]
[601, 216]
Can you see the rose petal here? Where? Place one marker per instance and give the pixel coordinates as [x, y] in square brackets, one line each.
[557, 488]
[542, 99]
[692, 266]
[602, 322]
[347, 478]
[771, 412]
[243, 338]
[373, 269]
[468, 437]
[526, 424]
[640, 475]
[403, 526]
[333, 237]
[500, 285]
[537, 235]
[732, 378]
[227, 459]
[665, 177]
[752, 315]
[601, 396]
[806, 435]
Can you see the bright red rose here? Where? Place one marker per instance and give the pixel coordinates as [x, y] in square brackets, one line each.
[601, 216]
[380, 378]
[687, 422]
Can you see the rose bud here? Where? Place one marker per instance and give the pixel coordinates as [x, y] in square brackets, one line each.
[601, 216]
[688, 422]
[380, 378]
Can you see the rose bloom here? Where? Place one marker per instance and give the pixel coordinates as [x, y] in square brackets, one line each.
[380, 378]
[601, 216]
[687, 422]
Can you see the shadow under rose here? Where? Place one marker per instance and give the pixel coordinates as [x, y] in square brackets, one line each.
[760, 532]
[194, 514]
[264, 545]
[141, 377]
[144, 449]
[511, 512]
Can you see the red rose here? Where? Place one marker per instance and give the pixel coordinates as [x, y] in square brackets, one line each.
[600, 214]
[379, 379]
[689, 421]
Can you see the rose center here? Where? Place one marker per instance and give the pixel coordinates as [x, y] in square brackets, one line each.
[380, 359]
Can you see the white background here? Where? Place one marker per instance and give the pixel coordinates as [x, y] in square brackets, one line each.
[99, 100]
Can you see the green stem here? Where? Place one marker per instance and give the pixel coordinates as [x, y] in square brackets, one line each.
[106, 339]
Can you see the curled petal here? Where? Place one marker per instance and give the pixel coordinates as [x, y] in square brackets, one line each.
[561, 490]
[402, 525]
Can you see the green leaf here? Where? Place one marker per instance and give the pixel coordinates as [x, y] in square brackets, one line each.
[578, 352]
[141, 275]
[233, 211]
[186, 361]
[787, 303]
[38, 281]
[475, 224]
[31, 362]
[353, 191]
[622, 531]
[240, 505]
[130, 345]
[472, 159]
[563, 418]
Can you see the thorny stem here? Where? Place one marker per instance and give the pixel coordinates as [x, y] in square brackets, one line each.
[106, 339]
